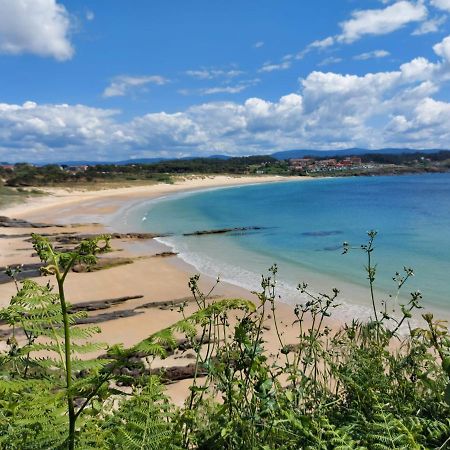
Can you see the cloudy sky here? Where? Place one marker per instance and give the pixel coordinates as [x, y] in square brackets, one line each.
[109, 80]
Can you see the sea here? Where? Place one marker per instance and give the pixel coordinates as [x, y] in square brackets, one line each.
[301, 227]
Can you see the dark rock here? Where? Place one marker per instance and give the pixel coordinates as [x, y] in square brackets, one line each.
[321, 233]
[168, 304]
[101, 264]
[164, 254]
[105, 317]
[7, 222]
[75, 238]
[102, 304]
[30, 270]
[177, 373]
[222, 231]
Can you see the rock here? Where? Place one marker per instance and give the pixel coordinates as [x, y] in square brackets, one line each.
[105, 317]
[177, 373]
[102, 264]
[30, 270]
[7, 222]
[103, 304]
[222, 231]
[164, 254]
[75, 238]
[173, 303]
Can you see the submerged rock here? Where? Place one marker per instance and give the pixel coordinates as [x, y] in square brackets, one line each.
[222, 231]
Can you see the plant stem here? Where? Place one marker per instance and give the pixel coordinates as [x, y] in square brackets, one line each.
[68, 362]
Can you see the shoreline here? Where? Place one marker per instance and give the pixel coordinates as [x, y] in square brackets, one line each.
[153, 278]
[150, 278]
[61, 197]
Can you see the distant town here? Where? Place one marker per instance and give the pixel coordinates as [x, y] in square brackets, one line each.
[355, 164]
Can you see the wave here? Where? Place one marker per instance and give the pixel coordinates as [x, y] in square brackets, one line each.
[287, 292]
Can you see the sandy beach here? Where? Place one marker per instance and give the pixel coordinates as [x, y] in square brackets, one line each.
[148, 279]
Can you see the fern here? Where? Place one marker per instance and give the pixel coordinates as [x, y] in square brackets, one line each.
[157, 343]
[144, 422]
[388, 432]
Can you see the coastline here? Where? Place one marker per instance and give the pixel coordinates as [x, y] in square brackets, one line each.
[60, 197]
[156, 279]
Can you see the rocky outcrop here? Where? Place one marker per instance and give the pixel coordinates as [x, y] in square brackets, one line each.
[101, 264]
[98, 305]
[30, 270]
[170, 304]
[105, 317]
[7, 222]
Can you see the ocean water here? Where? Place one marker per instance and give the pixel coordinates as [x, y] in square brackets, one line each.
[304, 225]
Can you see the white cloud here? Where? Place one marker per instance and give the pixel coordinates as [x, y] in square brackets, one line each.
[222, 89]
[39, 27]
[209, 74]
[270, 67]
[330, 110]
[320, 44]
[124, 84]
[441, 4]
[443, 49]
[371, 55]
[258, 44]
[430, 26]
[90, 15]
[330, 60]
[230, 89]
[381, 21]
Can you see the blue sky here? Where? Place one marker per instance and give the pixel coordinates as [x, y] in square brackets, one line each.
[108, 80]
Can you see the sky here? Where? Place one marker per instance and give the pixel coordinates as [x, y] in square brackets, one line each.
[110, 80]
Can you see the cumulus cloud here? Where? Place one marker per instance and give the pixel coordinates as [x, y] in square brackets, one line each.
[381, 21]
[441, 4]
[124, 84]
[443, 49]
[39, 27]
[329, 110]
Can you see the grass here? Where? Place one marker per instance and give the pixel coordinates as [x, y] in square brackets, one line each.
[10, 196]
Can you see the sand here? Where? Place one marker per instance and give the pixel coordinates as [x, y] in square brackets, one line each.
[155, 278]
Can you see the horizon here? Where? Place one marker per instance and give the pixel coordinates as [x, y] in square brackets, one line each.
[280, 155]
[106, 82]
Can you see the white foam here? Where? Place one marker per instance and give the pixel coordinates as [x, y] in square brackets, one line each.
[287, 292]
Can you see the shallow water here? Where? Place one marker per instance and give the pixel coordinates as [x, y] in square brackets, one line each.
[304, 225]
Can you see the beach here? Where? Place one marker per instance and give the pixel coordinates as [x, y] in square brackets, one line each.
[150, 277]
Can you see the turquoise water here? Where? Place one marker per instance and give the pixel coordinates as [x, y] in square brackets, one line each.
[305, 224]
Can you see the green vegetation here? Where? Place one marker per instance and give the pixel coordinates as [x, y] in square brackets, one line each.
[379, 384]
[9, 196]
[23, 175]
[161, 172]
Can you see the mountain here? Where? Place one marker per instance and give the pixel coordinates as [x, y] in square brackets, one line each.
[138, 161]
[290, 154]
